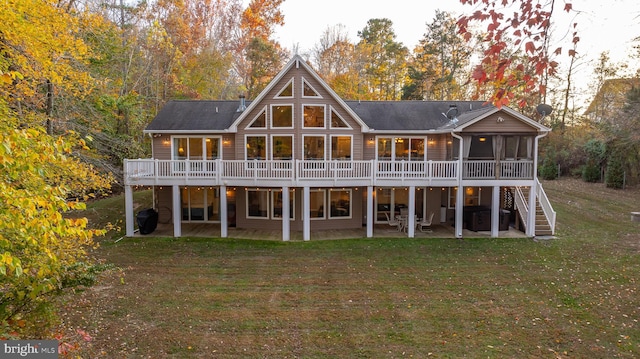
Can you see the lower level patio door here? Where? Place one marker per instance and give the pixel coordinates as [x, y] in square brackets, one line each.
[200, 204]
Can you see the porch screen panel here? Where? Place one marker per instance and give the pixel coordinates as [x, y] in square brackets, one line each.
[180, 148]
[276, 212]
[402, 148]
[384, 148]
[417, 149]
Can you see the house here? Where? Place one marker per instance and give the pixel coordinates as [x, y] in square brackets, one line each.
[300, 158]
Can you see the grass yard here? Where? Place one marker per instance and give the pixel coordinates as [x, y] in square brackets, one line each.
[576, 296]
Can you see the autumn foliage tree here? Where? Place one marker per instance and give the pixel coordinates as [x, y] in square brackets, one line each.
[41, 179]
[526, 21]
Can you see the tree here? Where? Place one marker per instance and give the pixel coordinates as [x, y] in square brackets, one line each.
[529, 25]
[384, 59]
[440, 62]
[42, 248]
[258, 57]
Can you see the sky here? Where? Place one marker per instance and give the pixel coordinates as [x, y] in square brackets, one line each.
[608, 25]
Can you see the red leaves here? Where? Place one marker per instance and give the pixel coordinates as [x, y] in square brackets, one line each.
[530, 47]
[502, 68]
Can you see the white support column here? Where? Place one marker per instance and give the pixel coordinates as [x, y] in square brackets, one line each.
[531, 222]
[306, 213]
[177, 212]
[286, 224]
[224, 220]
[411, 220]
[370, 204]
[495, 212]
[128, 211]
[459, 210]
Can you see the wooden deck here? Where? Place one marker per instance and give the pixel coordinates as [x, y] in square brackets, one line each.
[212, 230]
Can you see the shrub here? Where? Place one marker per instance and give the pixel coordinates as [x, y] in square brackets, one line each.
[614, 177]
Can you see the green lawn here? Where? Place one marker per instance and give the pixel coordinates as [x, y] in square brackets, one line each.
[574, 296]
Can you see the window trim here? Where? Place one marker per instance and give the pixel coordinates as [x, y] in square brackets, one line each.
[332, 111]
[266, 145]
[331, 137]
[266, 120]
[272, 143]
[271, 118]
[247, 203]
[324, 147]
[305, 82]
[324, 119]
[350, 191]
[293, 90]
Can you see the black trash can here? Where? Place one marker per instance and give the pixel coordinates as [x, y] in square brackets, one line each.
[147, 220]
[505, 217]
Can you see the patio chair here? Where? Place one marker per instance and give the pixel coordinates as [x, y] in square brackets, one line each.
[426, 223]
[393, 222]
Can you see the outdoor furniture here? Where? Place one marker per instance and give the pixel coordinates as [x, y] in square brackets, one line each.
[393, 222]
[426, 223]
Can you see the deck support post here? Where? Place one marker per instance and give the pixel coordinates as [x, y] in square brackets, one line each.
[177, 209]
[495, 212]
[459, 210]
[224, 219]
[286, 218]
[411, 220]
[306, 213]
[370, 204]
[128, 210]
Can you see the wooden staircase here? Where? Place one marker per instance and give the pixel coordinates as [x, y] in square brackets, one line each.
[544, 221]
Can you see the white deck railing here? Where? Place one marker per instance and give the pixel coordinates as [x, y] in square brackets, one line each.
[219, 171]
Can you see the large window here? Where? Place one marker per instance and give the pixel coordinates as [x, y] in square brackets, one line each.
[196, 148]
[256, 147]
[282, 116]
[340, 201]
[200, 204]
[257, 203]
[313, 147]
[282, 147]
[313, 116]
[401, 148]
[340, 147]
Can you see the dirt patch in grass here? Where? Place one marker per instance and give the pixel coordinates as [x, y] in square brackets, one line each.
[574, 296]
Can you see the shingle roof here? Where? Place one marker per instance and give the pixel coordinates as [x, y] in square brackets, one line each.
[217, 116]
[409, 115]
[195, 115]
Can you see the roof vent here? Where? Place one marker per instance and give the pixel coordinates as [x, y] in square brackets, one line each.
[452, 112]
[243, 105]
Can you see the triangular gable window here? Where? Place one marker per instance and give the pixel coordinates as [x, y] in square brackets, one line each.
[337, 121]
[260, 121]
[308, 90]
[287, 90]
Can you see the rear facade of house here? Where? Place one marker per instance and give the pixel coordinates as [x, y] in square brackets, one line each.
[300, 158]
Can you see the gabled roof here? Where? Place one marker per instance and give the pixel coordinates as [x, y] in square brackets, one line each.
[297, 61]
[183, 116]
[467, 119]
[403, 116]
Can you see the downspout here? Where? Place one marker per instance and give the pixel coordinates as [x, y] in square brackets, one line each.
[460, 191]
